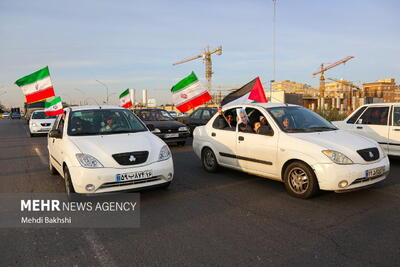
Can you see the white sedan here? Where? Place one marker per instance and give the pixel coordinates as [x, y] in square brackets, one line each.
[291, 144]
[40, 123]
[104, 148]
[380, 122]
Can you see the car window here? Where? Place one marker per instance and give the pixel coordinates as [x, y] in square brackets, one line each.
[226, 122]
[103, 121]
[396, 116]
[374, 116]
[206, 114]
[154, 115]
[257, 121]
[196, 115]
[356, 115]
[40, 115]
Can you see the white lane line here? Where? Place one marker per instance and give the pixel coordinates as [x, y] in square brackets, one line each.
[100, 252]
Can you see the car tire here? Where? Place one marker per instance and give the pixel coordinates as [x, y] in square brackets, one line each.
[300, 180]
[181, 143]
[52, 170]
[208, 160]
[69, 187]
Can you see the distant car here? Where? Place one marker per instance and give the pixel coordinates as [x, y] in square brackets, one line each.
[15, 115]
[173, 114]
[199, 117]
[291, 144]
[182, 115]
[6, 115]
[40, 123]
[380, 121]
[162, 124]
[99, 149]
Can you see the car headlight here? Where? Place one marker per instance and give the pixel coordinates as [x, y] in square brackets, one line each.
[34, 124]
[88, 161]
[337, 157]
[183, 129]
[156, 130]
[165, 153]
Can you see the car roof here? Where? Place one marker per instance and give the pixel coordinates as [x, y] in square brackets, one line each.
[91, 107]
[264, 105]
[381, 104]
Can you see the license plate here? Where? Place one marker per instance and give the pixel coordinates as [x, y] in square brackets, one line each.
[171, 135]
[375, 172]
[133, 176]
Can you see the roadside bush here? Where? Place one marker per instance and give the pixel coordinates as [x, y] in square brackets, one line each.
[332, 114]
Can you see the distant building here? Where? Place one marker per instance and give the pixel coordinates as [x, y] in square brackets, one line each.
[384, 88]
[294, 87]
[340, 89]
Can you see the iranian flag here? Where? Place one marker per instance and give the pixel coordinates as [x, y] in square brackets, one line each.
[189, 93]
[36, 86]
[53, 107]
[125, 99]
[249, 93]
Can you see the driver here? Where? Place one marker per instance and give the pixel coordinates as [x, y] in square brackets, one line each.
[109, 124]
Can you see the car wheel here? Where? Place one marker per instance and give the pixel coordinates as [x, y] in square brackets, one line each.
[209, 160]
[52, 170]
[300, 180]
[182, 143]
[69, 187]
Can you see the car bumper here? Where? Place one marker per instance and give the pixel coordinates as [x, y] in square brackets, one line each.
[104, 179]
[165, 137]
[38, 130]
[329, 175]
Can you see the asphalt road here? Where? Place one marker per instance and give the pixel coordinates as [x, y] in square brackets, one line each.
[225, 219]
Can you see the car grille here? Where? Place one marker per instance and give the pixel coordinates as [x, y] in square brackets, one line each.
[169, 130]
[369, 154]
[366, 179]
[139, 181]
[45, 124]
[131, 158]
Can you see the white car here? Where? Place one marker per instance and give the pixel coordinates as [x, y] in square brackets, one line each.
[40, 123]
[294, 145]
[105, 148]
[380, 122]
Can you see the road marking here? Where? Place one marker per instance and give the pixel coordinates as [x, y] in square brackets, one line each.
[100, 252]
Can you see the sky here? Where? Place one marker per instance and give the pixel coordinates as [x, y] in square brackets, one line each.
[132, 44]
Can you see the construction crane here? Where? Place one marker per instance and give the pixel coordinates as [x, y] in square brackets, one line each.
[322, 71]
[206, 55]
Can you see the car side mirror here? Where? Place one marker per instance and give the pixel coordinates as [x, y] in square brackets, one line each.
[55, 133]
[151, 127]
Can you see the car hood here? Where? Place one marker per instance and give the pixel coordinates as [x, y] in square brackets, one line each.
[164, 125]
[103, 147]
[339, 140]
[42, 121]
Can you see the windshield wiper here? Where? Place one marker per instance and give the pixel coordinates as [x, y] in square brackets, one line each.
[295, 130]
[322, 128]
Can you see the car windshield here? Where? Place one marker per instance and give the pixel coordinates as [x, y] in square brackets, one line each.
[154, 115]
[300, 119]
[104, 121]
[40, 115]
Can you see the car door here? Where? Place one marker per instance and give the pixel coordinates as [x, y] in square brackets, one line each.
[394, 131]
[351, 123]
[258, 152]
[56, 144]
[223, 138]
[374, 123]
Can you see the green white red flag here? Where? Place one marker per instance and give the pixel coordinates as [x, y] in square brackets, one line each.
[53, 107]
[189, 93]
[125, 99]
[248, 93]
[36, 86]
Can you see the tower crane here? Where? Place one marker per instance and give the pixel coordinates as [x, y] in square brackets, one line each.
[206, 55]
[322, 71]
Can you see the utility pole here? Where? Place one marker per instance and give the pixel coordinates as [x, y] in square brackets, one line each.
[106, 89]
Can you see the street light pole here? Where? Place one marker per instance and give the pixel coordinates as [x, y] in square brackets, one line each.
[79, 90]
[105, 87]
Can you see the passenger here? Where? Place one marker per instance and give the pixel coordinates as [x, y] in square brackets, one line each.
[285, 122]
[109, 124]
[256, 127]
[263, 120]
[76, 125]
